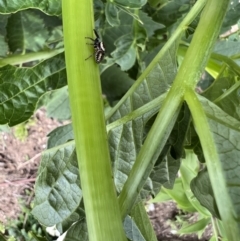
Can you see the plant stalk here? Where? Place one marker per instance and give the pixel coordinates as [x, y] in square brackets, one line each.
[100, 199]
[214, 166]
[189, 73]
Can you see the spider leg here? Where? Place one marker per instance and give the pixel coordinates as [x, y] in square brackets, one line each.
[90, 38]
[89, 57]
[95, 31]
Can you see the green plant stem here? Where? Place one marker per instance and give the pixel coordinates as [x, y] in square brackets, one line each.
[20, 59]
[228, 92]
[153, 106]
[213, 67]
[214, 165]
[189, 73]
[160, 131]
[214, 63]
[100, 200]
[228, 61]
[207, 31]
[146, 158]
[202, 43]
[215, 228]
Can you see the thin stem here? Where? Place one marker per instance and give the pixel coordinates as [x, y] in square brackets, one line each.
[214, 165]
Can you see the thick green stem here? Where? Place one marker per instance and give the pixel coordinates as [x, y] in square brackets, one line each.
[156, 140]
[100, 200]
[161, 129]
[189, 73]
[202, 43]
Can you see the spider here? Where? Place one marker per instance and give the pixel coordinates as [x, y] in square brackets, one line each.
[98, 47]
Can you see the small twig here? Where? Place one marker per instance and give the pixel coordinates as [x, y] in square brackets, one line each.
[16, 183]
[29, 161]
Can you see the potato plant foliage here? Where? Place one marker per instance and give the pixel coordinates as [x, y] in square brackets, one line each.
[145, 50]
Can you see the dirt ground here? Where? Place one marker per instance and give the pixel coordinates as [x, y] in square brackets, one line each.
[19, 160]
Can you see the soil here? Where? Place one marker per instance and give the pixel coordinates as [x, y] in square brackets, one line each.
[19, 161]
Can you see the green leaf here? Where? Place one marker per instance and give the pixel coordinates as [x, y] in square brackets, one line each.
[171, 12]
[57, 105]
[214, 238]
[124, 54]
[202, 189]
[162, 196]
[131, 230]
[188, 171]
[178, 195]
[225, 92]
[227, 47]
[78, 231]
[140, 36]
[21, 88]
[60, 135]
[232, 16]
[179, 132]
[26, 32]
[140, 217]
[112, 34]
[52, 7]
[131, 3]
[126, 41]
[198, 226]
[112, 14]
[57, 192]
[164, 173]
[115, 83]
[34, 237]
[149, 25]
[213, 112]
[3, 43]
[156, 3]
[77, 215]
